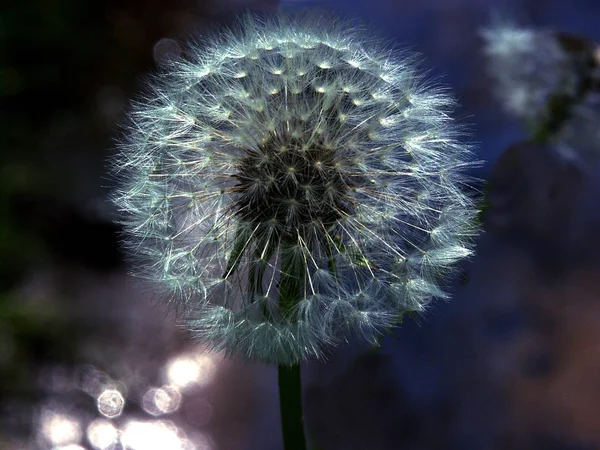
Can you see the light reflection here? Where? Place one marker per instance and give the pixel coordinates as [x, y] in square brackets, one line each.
[102, 434]
[111, 403]
[165, 400]
[187, 371]
[153, 435]
[92, 380]
[60, 429]
[182, 372]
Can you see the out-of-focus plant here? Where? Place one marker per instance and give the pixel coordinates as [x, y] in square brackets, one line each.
[289, 185]
[550, 80]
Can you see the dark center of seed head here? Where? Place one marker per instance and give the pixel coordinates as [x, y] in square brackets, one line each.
[292, 185]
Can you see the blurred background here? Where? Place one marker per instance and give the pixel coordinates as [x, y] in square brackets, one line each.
[88, 361]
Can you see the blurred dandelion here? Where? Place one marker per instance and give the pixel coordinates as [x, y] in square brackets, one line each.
[529, 66]
[548, 79]
[290, 184]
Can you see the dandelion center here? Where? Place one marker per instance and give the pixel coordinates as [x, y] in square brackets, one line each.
[292, 186]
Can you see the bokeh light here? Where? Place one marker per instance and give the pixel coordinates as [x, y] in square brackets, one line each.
[153, 435]
[102, 434]
[111, 403]
[60, 429]
[185, 372]
[166, 49]
[92, 380]
[164, 400]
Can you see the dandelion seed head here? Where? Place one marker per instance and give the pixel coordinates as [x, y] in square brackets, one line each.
[293, 159]
[529, 67]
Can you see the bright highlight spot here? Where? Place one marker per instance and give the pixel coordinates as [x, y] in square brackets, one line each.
[138, 435]
[187, 371]
[60, 429]
[111, 403]
[102, 434]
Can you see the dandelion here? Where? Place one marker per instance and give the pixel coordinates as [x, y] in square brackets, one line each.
[291, 184]
[550, 80]
[529, 67]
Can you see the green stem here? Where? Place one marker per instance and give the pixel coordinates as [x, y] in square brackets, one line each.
[290, 388]
[290, 288]
[290, 405]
